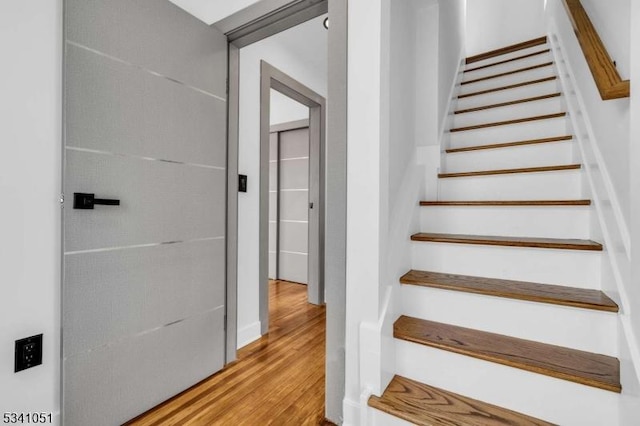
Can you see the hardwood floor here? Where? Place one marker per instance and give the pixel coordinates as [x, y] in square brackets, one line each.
[277, 380]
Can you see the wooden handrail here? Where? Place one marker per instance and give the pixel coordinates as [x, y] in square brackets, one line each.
[608, 80]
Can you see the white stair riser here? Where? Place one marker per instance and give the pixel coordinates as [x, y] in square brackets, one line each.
[506, 56]
[507, 80]
[515, 157]
[575, 328]
[544, 222]
[511, 112]
[554, 400]
[560, 185]
[508, 95]
[507, 67]
[508, 133]
[572, 268]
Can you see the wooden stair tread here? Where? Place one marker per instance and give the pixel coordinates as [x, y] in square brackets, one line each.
[582, 367]
[501, 203]
[542, 52]
[507, 73]
[426, 405]
[511, 86]
[521, 290]
[549, 243]
[507, 49]
[504, 104]
[510, 122]
[511, 171]
[510, 144]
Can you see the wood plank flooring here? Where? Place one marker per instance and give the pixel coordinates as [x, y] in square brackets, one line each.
[277, 380]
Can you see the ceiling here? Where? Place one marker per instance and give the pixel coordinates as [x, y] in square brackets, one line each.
[211, 11]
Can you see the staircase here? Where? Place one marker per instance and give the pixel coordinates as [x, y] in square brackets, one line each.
[503, 320]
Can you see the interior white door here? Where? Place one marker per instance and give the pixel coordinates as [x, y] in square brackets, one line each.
[144, 281]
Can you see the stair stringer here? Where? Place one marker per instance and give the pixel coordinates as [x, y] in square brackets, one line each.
[444, 134]
[608, 223]
[376, 341]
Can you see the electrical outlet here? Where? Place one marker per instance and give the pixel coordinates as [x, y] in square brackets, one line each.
[28, 352]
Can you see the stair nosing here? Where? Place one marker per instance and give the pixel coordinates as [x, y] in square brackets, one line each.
[430, 411]
[527, 363]
[503, 241]
[528, 291]
[510, 144]
[542, 52]
[528, 44]
[507, 73]
[510, 103]
[507, 203]
[509, 122]
[542, 169]
[512, 86]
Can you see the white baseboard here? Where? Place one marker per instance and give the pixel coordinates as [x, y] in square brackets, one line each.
[351, 413]
[248, 334]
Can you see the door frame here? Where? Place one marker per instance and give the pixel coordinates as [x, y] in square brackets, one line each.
[281, 19]
[335, 264]
[273, 78]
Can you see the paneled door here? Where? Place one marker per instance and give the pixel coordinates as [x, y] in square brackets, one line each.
[144, 209]
[289, 191]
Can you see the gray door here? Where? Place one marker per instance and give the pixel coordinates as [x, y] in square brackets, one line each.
[290, 229]
[293, 226]
[144, 281]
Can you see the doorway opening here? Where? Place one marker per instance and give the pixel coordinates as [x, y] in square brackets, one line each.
[291, 66]
[298, 184]
[241, 40]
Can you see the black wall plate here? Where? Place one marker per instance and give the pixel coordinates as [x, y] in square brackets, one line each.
[28, 352]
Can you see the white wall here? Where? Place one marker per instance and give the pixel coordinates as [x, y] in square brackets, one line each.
[283, 109]
[634, 160]
[611, 19]
[366, 65]
[426, 78]
[450, 51]
[392, 110]
[492, 24]
[609, 119]
[630, 406]
[30, 107]
[300, 52]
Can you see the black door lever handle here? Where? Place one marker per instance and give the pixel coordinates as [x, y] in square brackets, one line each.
[82, 201]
